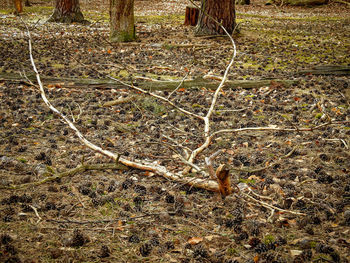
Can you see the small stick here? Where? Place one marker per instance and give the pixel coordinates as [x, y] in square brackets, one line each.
[307, 181]
[269, 219]
[180, 84]
[345, 144]
[272, 207]
[36, 213]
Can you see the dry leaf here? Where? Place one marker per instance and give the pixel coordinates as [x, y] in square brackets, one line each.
[254, 177]
[148, 173]
[230, 152]
[194, 240]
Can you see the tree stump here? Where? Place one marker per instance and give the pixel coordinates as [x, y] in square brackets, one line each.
[191, 17]
[18, 6]
[67, 11]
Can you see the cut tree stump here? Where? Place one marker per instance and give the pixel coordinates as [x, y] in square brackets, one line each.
[191, 17]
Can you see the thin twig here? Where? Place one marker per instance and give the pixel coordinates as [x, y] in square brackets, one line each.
[180, 84]
[345, 144]
[269, 219]
[36, 213]
[307, 181]
[264, 204]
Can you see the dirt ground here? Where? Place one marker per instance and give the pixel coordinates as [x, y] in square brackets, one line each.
[126, 215]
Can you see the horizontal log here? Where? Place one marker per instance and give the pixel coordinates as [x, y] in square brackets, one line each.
[327, 70]
[148, 85]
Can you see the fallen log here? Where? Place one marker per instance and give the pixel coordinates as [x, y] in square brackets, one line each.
[148, 85]
[327, 70]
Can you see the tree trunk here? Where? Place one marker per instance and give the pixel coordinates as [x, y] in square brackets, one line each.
[223, 11]
[18, 6]
[191, 16]
[122, 21]
[67, 11]
[27, 3]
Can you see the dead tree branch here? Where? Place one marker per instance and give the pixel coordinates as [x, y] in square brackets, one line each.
[206, 119]
[72, 172]
[141, 165]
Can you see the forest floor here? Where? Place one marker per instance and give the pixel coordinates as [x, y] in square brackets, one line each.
[113, 215]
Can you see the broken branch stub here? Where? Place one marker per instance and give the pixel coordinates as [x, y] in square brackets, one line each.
[223, 178]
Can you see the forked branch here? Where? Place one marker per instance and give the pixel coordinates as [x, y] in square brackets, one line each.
[141, 165]
[222, 173]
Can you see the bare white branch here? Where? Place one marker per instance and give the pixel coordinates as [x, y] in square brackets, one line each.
[213, 103]
[142, 165]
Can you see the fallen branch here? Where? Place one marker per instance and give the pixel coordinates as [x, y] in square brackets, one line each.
[258, 129]
[77, 170]
[102, 221]
[206, 119]
[153, 167]
[141, 165]
[342, 2]
[327, 69]
[169, 85]
[119, 101]
[255, 170]
[264, 204]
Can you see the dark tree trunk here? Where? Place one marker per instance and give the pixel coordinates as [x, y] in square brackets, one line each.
[222, 11]
[191, 16]
[122, 21]
[18, 6]
[67, 11]
[27, 3]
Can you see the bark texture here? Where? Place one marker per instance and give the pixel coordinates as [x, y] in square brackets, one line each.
[191, 16]
[67, 11]
[222, 11]
[122, 21]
